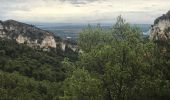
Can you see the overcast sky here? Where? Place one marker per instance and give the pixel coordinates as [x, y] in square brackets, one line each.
[83, 11]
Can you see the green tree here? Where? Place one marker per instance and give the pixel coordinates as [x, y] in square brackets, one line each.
[81, 85]
[119, 62]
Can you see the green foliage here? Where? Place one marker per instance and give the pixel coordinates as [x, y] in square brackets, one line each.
[81, 85]
[29, 74]
[17, 87]
[32, 63]
[115, 64]
[129, 67]
[91, 37]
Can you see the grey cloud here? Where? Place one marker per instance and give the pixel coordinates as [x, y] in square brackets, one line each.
[153, 8]
[16, 8]
[79, 1]
[17, 2]
[18, 5]
[13, 5]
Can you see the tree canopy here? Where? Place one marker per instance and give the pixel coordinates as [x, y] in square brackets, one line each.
[114, 64]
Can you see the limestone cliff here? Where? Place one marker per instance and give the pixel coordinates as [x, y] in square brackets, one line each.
[161, 28]
[30, 35]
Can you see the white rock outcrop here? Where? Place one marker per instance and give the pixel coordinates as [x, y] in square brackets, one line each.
[32, 36]
[48, 41]
[161, 28]
[1, 26]
[22, 39]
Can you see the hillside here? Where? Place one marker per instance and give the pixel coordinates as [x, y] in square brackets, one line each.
[117, 64]
[32, 36]
[27, 73]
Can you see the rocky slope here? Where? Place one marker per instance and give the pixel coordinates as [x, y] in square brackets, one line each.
[30, 35]
[161, 28]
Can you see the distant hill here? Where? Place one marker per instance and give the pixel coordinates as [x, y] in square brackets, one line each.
[66, 30]
[30, 35]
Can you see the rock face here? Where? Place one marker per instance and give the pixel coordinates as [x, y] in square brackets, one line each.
[30, 35]
[161, 28]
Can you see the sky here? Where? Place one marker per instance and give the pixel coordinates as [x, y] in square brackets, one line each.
[83, 11]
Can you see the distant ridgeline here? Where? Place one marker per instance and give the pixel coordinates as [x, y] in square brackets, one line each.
[71, 31]
[160, 31]
[32, 36]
